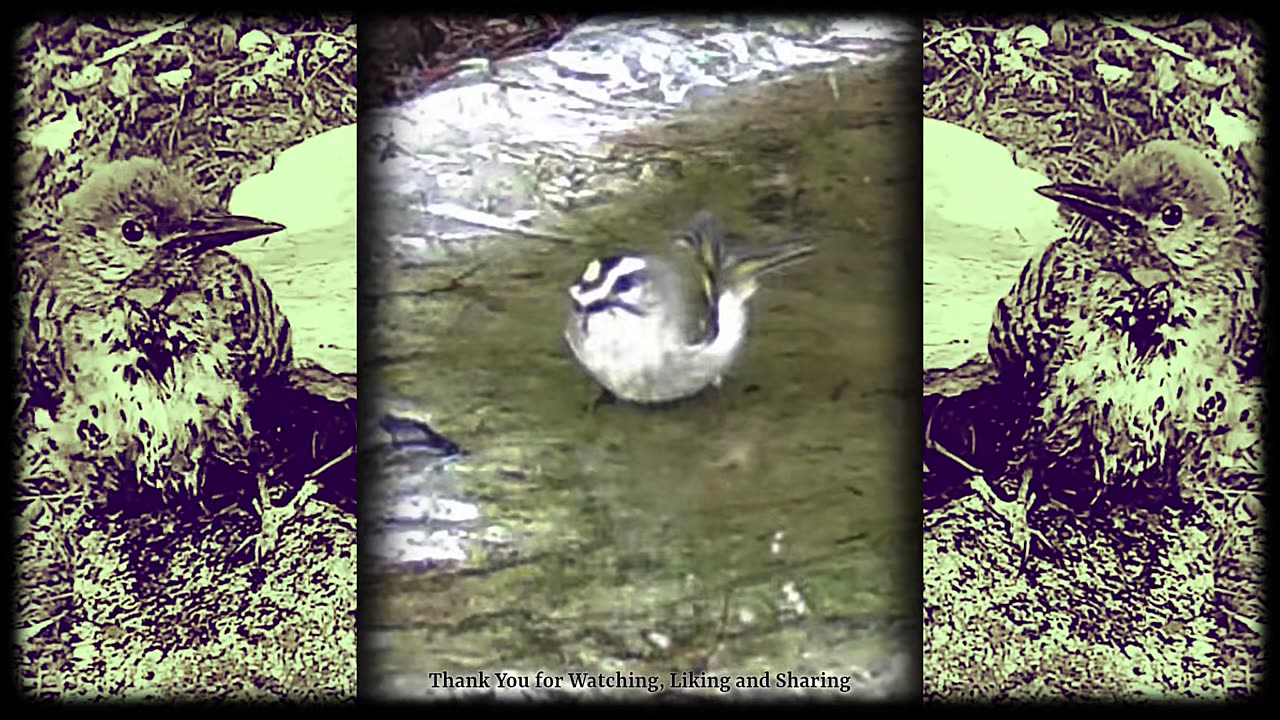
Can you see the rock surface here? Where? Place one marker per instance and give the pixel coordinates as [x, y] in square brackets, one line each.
[310, 266]
[982, 221]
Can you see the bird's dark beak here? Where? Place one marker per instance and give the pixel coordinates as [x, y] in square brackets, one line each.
[1099, 203]
[212, 230]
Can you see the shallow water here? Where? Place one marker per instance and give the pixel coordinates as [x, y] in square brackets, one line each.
[770, 524]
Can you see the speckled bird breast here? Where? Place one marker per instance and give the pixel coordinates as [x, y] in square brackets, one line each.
[1145, 403]
[147, 390]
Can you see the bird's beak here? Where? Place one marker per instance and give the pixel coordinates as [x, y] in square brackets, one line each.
[213, 230]
[1099, 203]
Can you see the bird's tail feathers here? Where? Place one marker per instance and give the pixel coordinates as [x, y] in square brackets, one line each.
[741, 268]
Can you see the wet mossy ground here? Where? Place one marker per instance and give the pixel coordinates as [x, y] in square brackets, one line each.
[709, 532]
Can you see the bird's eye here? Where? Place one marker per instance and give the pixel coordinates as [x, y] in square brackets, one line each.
[628, 282]
[1171, 215]
[132, 230]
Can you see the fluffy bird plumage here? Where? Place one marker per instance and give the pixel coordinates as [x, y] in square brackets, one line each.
[1130, 336]
[144, 342]
[640, 331]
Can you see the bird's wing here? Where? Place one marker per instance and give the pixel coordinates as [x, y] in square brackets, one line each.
[1247, 341]
[702, 236]
[244, 316]
[1031, 320]
[40, 314]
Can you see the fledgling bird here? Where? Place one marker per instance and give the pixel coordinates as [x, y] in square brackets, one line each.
[145, 341]
[643, 335]
[1130, 338]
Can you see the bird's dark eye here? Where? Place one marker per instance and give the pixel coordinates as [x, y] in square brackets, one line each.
[628, 282]
[132, 230]
[1171, 215]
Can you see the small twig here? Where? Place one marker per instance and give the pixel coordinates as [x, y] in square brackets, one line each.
[22, 635]
[933, 445]
[455, 283]
[237, 67]
[1256, 627]
[324, 34]
[487, 220]
[1141, 34]
[46, 498]
[315, 74]
[956, 31]
[147, 39]
[328, 71]
[320, 470]
[704, 661]
[177, 117]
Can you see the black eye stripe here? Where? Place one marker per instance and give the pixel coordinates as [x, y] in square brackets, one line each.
[602, 274]
[609, 304]
[628, 281]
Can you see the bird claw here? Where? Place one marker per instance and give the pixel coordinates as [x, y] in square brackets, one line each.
[1015, 512]
[275, 517]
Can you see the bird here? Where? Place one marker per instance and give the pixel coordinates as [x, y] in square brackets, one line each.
[643, 334]
[144, 342]
[1128, 341]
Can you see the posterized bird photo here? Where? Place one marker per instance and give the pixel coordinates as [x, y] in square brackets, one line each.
[185, 452]
[1093, 480]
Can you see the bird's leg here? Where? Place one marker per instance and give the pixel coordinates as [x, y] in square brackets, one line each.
[274, 517]
[1016, 513]
[603, 398]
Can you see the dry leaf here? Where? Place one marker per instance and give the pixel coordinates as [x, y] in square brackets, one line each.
[84, 79]
[1205, 75]
[57, 135]
[121, 82]
[1166, 78]
[1060, 36]
[254, 41]
[1231, 130]
[174, 79]
[1031, 37]
[1113, 75]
